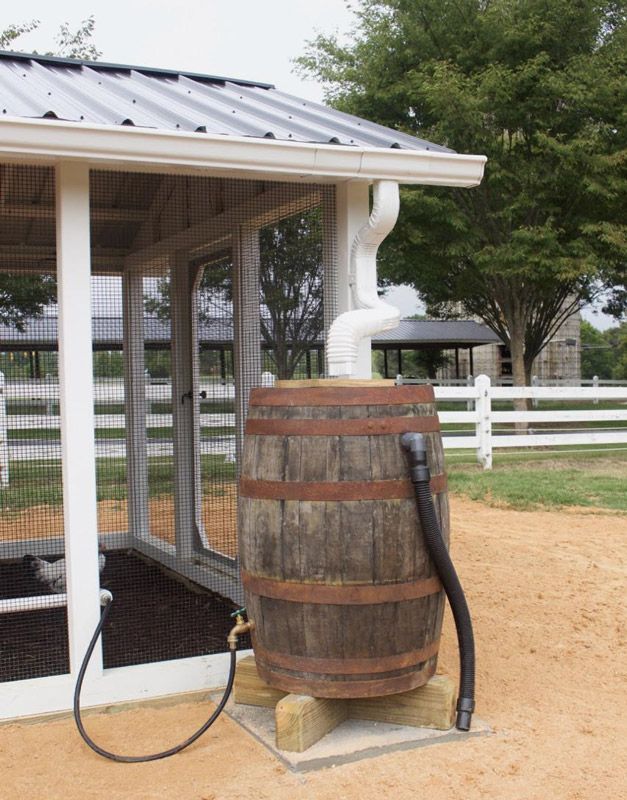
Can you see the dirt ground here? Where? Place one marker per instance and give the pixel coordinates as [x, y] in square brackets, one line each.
[219, 515]
[547, 593]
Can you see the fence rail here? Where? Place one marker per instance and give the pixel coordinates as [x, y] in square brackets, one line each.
[486, 437]
[483, 427]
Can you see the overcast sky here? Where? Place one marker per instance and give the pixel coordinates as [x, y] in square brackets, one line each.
[254, 39]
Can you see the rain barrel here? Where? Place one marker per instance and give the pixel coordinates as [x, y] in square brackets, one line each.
[337, 579]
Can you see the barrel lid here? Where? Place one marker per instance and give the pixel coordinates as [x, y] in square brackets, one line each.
[349, 393]
[334, 382]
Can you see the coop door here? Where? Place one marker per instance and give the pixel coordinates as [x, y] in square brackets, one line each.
[212, 406]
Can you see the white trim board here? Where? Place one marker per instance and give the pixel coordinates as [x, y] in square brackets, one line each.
[118, 685]
[100, 145]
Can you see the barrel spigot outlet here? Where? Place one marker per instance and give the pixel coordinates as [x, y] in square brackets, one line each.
[239, 629]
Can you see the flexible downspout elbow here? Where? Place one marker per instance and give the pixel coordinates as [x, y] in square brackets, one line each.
[371, 315]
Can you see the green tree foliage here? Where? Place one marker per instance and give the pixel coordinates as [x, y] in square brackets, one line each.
[604, 353]
[23, 296]
[617, 338]
[536, 85]
[596, 353]
[68, 43]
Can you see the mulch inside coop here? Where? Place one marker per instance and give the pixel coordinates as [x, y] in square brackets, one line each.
[154, 617]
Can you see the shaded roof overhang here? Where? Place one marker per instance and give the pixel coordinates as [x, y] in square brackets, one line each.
[121, 117]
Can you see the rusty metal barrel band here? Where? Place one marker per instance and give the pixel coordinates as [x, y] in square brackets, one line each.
[339, 396]
[346, 666]
[334, 491]
[368, 426]
[343, 689]
[339, 594]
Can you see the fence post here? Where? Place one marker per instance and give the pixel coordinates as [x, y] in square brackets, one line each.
[483, 406]
[595, 384]
[535, 381]
[4, 436]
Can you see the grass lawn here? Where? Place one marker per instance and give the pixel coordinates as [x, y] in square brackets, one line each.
[595, 479]
[35, 483]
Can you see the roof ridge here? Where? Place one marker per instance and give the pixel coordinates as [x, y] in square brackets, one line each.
[104, 66]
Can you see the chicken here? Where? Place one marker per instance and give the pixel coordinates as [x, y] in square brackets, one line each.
[53, 573]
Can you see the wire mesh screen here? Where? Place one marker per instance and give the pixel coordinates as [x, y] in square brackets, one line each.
[33, 620]
[203, 288]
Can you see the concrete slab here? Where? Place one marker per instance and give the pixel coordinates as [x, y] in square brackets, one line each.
[353, 740]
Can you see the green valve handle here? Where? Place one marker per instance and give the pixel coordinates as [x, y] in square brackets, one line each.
[240, 611]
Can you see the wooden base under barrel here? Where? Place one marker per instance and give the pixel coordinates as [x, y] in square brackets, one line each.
[344, 597]
[301, 721]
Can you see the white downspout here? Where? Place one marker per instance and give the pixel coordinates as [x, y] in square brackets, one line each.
[371, 315]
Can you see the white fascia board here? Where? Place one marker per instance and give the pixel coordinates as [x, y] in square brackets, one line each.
[103, 146]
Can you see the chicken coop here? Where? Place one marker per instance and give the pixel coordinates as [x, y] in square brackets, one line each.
[213, 219]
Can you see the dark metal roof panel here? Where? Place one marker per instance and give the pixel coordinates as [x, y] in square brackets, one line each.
[107, 331]
[38, 87]
[442, 332]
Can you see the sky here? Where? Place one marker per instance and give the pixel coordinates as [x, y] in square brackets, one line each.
[253, 39]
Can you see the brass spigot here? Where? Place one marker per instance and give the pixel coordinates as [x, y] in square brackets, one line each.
[241, 627]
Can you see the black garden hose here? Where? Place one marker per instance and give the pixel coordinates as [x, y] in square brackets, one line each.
[151, 756]
[415, 445]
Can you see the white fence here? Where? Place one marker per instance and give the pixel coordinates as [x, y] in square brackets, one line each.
[484, 428]
[485, 420]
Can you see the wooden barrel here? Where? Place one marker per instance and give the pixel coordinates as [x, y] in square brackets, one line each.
[345, 599]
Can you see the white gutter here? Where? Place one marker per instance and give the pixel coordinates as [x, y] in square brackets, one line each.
[142, 148]
[371, 315]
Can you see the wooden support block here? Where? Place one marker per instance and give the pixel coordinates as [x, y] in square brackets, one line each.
[250, 689]
[302, 720]
[428, 706]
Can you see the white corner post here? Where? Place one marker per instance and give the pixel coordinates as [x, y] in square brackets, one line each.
[184, 400]
[483, 408]
[329, 256]
[353, 210]
[247, 361]
[76, 397]
[135, 403]
[4, 435]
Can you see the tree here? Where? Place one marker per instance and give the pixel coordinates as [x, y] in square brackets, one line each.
[536, 85]
[69, 44]
[23, 296]
[617, 339]
[291, 290]
[596, 352]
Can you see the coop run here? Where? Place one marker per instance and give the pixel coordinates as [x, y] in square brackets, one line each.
[167, 242]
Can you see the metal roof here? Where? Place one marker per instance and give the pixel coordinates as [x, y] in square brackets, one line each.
[437, 333]
[40, 333]
[46, 87]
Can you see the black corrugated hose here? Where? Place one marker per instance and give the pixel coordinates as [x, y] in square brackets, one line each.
[151, 756]
[415, 445]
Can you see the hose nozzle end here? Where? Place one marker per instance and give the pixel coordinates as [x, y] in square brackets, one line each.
[465, 708]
